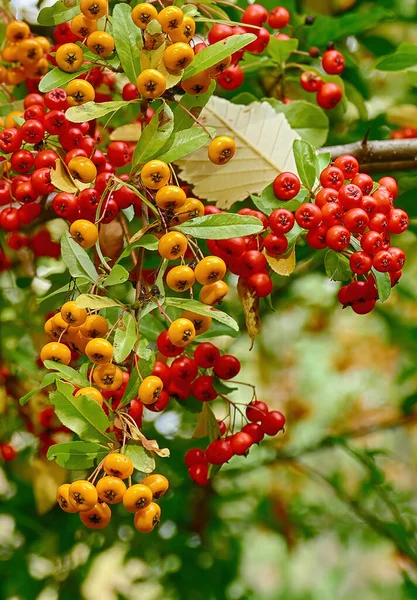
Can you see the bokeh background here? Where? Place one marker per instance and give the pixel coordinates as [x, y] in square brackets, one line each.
[326, 511]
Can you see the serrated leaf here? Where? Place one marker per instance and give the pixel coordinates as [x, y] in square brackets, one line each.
[283, 265]
[77, 455]
[77, 259]
[57, 78]
[280, 50]
[83, 415]
[124, 339]
[61, 178]
[117, 275]
[141, 459]
[337, 266]
[126, 133]
[95, 110]
[263, 149]
[268, 202]
[308, 120]
[94, 302]
[250, 305]
[185, 142]
[202, 309]
[128, 40]
[214, 53]
[154, 136]
[220, 226]
[60, 12]
[193, 104]
[67, 373]
[306, 162]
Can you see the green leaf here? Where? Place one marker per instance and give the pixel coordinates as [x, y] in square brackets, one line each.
[216, 52]
[280, 50]
[293, 235]
[202, 309]
[141, 459]
[83, 415]
[132, 388]
[128, 40]
[146, 353]
[307, 164]
[221, 226]
[154, 136]
[94, 302]
[150, 327]
[58, 13]
[337, 266]
[207, 425]
[333, 28]
[77, 259]
[95, 110]
[77, 455]
[268, 202]
[222, 388]
[383, 284]
[403, 58]
[185, 142]
[149, 242]
[48, 378]
[194, 104]
[67, 373]
[124, 339]
[324, 159]
[57, 78]
[117, 275]
[308, 120]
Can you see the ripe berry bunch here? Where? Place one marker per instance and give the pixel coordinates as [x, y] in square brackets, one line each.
[40, 243]
[24, 56]
[404, 133]
[260, 422]
[92, 501]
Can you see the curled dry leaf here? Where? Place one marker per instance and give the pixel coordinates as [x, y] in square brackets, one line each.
[111, 239]
[284, 265]
[61, 178]
[126, 133]
[264, 141]
[136, 434]
[250, 305]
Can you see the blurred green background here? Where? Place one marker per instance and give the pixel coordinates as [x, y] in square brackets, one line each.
[326, 511]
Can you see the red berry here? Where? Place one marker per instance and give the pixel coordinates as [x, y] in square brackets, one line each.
[136, 411]
[379, 222]
[219, 452]
[326, 195]
[332, 177]
[203, 389]
[286, 186]
[371, 242]
[231, 78]
[195, 456]
[329, 95]
[397, 220]
[226, 366]
[206, 354]
[360, 263]
[390, 184]
[199, 474]
[261, 284]
[166, 347]
[255, 432]
[273, 423]
[310, 81]
[162, 371]
[261, 42]
[332, 214]
[281, 221]
[308, 215]
[383, 261]
[338, 238]
[278, 18]
[356, 220]
[399, 257]
[364, 182]
[350, 196]
[184, 368]
[333, 62]
[241, 442]
[255, 14]
[384, 199]
[275, 244]
[256, 411]
[130, 92]
[8, 452]
[118, 153]
[219, 32]
[349, 167]
[316, 238]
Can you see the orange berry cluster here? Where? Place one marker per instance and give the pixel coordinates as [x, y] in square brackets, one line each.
[92, 501]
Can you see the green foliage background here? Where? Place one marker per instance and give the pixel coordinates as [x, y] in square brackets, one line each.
[327, 511]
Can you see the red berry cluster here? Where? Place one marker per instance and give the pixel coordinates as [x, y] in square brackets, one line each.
[28, 182]
[261, 422]
[40, 243]
[404, 133]
[328, 94]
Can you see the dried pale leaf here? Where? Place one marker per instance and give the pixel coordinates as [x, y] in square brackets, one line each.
[264, 142]
[111, 239]
[250, 305]
[126, 133]
[139, 234]
[47, 477]
[150, 59]
[152, 445]
[404, 115]
[284, 265]
[61, 178]
[171, 79]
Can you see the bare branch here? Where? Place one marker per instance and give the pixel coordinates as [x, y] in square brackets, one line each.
[379, 155]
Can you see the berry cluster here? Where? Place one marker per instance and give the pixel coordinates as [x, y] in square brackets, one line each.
[92, 501]
[25, 56]
[328, 94]
[261, 422]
